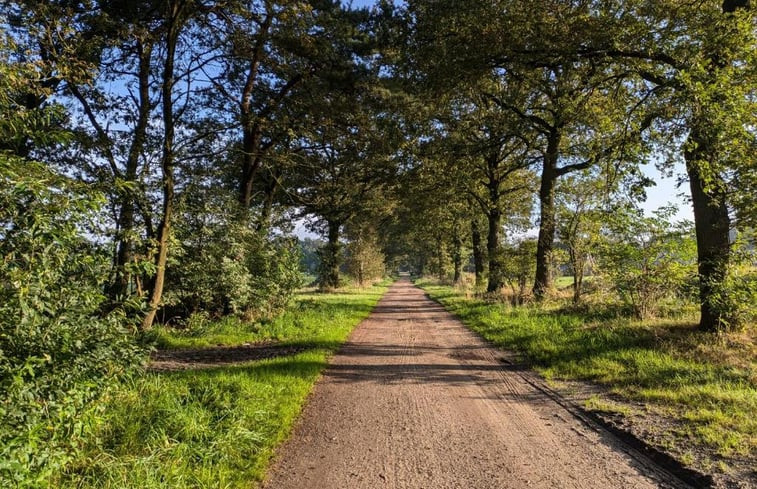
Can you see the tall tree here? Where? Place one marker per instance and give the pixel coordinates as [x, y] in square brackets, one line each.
[341, 166]
[174, 19]
[578, 107]
[486, 154]
[700, 59]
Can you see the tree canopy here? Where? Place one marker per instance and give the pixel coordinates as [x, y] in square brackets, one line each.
[157, 157]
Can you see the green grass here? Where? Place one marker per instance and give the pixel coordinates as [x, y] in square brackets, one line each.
[216, 427]
[693, 377]
[563, 281]
[309, 319]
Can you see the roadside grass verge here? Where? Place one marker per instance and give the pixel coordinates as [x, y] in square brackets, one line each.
[216, 427]
[707, 383]
[302, 322]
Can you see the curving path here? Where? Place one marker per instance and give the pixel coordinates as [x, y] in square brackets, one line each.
[415, 400]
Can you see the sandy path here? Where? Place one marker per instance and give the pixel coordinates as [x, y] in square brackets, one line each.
[415, 400]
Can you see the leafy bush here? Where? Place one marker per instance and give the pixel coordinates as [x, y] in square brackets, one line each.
[736, 295]
[223, 265]
[520, 268]
[648, 258]
[365, 260]
[59, 348]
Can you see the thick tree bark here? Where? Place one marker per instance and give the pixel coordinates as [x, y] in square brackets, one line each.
[478, 255]
[496, 254]
[167, 163]
[457, 256]
[712, 225]
[331, 257]
[545, 243]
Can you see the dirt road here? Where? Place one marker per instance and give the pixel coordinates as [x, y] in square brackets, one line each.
[415, 400]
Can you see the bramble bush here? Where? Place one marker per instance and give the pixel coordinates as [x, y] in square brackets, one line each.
[60, 348]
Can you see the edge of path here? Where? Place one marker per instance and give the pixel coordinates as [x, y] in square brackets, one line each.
[664, 460]
[635, 446]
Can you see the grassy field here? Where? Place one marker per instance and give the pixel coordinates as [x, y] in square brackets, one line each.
[217, 427]
[707, 382]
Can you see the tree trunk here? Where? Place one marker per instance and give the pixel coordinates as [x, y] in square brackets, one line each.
[264, 220]
[712, 225]
[711, 220]
[458, 256]
[577, 287]
[440, 258]
[543, 279]
[125, 255]
[251, 130]
[167, 163]
[578, 275]
[478, 255]
[120, 286]
[251, 161]
[495, 251]
[331, 257]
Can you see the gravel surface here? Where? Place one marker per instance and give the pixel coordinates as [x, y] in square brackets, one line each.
[415, 400]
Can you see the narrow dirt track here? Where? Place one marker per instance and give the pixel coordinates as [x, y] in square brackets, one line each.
[415, 400]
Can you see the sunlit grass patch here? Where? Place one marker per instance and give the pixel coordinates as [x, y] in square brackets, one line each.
[310, 316]
[216, 427]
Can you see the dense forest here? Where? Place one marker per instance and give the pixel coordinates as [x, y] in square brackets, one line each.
[161, 160]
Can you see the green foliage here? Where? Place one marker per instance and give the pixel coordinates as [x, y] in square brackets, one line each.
[22, 125]
[59, 347]
[579, 223]
[736, 295]
[330, 260]
[223, 265]
[217, 427]
[648, 258]
[365, 261]
[520, 266]
[309, 252]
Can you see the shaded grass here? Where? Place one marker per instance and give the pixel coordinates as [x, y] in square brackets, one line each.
[662, 364]
[216, 427]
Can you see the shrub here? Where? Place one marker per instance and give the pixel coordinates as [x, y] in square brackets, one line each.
[648, 258]
[736, 295]
[520, 267]
[59, 348]
[223, 265]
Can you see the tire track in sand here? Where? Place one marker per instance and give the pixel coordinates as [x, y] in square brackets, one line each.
[415, 400]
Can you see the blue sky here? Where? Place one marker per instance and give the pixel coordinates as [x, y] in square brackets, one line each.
[667, 192]
[359, 3]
